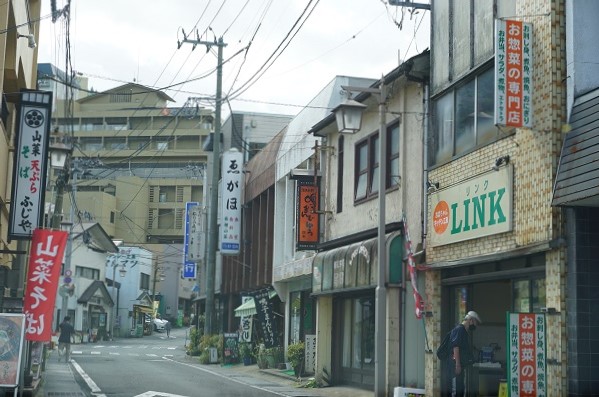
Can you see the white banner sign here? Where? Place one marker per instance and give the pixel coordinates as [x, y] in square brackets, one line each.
[513, 73]
[232, 186]
[31, 157]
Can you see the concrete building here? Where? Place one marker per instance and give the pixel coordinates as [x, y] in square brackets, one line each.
[132, 269]
[136, 163]
[89, 303]
[249, 132]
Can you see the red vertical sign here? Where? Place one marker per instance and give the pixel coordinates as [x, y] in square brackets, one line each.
[45, 261]
[527, 352]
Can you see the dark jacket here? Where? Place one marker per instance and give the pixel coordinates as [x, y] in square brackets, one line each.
[459, 337]
[66, 331]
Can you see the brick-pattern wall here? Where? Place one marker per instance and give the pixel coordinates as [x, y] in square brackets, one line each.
[534, 155]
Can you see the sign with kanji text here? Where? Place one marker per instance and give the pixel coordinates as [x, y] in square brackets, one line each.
[189, 265]
[266, 318]
[30, 159]
[45, 262]
[307, 214]
[513, 73]
[527, 354]
[232, 186]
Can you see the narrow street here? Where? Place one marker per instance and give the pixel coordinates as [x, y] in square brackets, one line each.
[157, 366]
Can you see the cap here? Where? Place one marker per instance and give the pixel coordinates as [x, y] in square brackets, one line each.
[474, 315]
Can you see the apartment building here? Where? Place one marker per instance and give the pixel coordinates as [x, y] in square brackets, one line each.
[136, 163]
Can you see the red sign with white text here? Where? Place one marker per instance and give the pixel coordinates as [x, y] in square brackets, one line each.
[45, 261]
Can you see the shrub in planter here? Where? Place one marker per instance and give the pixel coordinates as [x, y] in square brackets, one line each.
[295, 356]
[245, 352]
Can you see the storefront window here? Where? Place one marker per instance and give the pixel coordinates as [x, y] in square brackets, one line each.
[295, 317]
[529, 295]
[461, 302]
[358, 333]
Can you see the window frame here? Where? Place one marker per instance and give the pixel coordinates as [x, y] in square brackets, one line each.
[448, 151]
[370, 143]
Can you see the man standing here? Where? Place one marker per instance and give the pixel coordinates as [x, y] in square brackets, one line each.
[168, 329]
[461, 353]
[64, 340]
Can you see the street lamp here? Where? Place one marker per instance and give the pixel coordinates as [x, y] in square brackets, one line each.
[349, 120]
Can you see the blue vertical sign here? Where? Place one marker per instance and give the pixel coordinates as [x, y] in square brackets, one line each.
[189, 268]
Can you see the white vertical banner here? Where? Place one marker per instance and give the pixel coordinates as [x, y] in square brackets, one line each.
[189, 266]
[513, 73]
[195, 234]
[232, 186]
[245, 323]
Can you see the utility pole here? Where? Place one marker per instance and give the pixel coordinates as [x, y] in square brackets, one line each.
[212, 232]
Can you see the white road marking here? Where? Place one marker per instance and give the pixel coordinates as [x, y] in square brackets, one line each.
[92, 385]
[158, 394]
[76, 352]
[225, 377]
[114, 353]
[151, 355]
[96, 352]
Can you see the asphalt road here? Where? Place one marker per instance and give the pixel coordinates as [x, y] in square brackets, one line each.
[154, 366]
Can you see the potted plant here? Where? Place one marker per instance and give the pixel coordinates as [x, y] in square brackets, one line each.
[295, 356]
[245, 352]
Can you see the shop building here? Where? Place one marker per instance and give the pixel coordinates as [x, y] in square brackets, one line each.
[576, 191]
[494, 243]
[345, 269]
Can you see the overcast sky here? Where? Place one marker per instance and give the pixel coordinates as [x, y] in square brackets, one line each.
[118, 41]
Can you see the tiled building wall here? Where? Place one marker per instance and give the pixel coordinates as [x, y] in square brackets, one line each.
[583, 302]
[534, 155]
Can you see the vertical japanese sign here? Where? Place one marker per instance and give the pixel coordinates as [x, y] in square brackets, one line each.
[513, 73]
[30, 160]
[307, 214]
[45, 261]
[189, 265]
[526, 344]
[232, 185]
[245, 324]
[266, 317]
[12, 330]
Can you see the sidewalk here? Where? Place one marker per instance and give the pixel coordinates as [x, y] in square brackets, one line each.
[59, 380]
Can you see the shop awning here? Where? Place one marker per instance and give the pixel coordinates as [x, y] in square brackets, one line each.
[576, 182]
[143, 309]
[249, 307]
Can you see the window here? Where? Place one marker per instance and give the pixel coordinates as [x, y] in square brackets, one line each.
[120, 97]
[367, 164]
[463, 118]
[340, 144]
[162, 145]
[87, 272]
[112, 216]
[358, 333]
[144, 281]
[393, 156]
[529, 295]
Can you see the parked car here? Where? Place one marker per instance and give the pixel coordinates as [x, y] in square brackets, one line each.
[158, 324]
